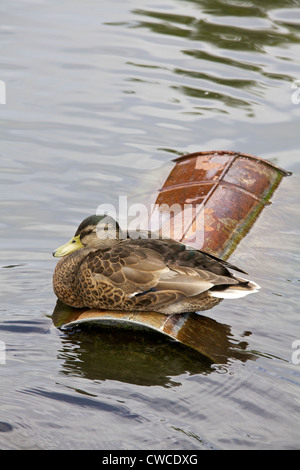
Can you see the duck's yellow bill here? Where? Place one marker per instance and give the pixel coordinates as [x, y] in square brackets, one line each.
[73, 245]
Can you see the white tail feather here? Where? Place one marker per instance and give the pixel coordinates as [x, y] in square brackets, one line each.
[235, 292]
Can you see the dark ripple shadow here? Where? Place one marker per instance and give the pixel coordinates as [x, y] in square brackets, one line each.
[84, 401]
[24, 326]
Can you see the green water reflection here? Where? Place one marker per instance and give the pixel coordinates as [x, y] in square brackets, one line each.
[239, 36]
[140, 355]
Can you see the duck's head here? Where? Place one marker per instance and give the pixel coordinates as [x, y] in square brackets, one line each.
[96, 231]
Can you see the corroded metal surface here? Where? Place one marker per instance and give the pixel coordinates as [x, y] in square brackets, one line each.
[232, 189]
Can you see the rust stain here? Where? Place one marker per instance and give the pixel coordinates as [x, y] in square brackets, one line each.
[233, 187]
[202, 164]
[209, 219]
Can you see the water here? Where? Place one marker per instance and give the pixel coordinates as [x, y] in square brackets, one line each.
[100, 96]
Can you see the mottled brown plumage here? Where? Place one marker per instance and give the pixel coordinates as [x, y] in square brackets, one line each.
[139, 274]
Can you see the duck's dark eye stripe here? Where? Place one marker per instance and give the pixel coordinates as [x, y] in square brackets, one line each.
[85, 233]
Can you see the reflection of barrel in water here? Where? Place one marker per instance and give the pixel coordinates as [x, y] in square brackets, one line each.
[204, 335]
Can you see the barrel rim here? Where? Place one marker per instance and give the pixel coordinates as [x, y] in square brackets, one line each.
[234, 154]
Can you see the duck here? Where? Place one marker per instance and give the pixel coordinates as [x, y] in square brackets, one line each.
[103, 267]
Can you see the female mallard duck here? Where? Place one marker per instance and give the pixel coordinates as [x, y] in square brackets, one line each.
[103, 269]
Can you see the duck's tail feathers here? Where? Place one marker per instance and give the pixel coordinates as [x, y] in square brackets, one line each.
[235, 291]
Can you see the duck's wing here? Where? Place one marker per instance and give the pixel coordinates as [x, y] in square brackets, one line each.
[178, 253]
[223, 262]
[137, 270]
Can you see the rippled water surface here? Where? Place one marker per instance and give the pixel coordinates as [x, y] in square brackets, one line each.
[100, 96]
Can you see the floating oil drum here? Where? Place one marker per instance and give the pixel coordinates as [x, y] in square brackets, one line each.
[227, 191]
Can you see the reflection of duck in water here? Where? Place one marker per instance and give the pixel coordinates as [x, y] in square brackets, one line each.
[100, 269]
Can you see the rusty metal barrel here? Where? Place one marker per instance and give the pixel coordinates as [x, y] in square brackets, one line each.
[231, 188]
